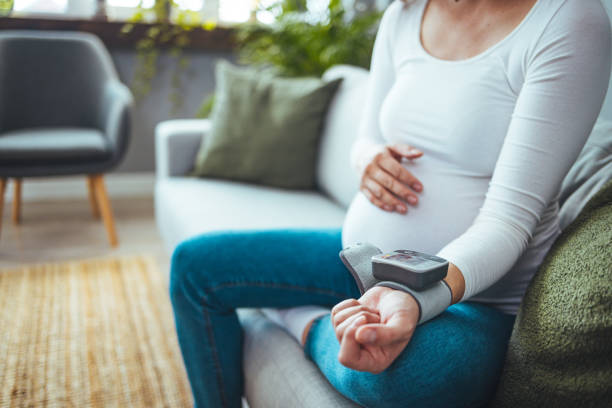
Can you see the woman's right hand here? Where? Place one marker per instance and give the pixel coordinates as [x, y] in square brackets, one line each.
[387, 184]
[375, 329]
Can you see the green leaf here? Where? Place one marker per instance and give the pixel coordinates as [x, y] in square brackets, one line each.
[207, 106]
[297, 46]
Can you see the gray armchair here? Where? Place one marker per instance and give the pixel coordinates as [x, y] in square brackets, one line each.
[63, 111]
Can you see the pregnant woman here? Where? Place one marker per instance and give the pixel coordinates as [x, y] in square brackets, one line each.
[475, 112]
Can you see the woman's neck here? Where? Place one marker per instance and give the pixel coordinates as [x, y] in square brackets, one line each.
[463, 7]
[456, 30]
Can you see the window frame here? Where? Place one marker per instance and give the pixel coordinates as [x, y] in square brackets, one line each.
[208, 12]
[218, 39]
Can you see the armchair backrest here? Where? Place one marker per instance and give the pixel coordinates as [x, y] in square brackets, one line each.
[50, 78]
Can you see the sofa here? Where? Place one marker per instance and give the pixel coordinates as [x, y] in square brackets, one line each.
[187, 206]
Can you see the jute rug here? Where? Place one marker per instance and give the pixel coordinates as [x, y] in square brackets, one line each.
[89, 334]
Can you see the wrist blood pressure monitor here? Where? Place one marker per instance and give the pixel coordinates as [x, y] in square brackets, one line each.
[411, 268]
[410, 271]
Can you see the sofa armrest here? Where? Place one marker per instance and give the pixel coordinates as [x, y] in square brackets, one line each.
[176, 145]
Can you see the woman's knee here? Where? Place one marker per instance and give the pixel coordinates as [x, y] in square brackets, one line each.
[392, 388]
[417, 385]
[192, 265]
[371, 390]
[368, 390]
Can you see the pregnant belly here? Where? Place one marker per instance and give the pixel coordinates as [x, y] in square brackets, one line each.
[446, 209]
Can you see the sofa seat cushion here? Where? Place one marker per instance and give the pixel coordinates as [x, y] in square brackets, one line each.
[277, 374]
[186, 207]
[52, 145]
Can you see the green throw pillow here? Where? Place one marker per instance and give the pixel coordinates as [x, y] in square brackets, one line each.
[265, 128]
[560, 351]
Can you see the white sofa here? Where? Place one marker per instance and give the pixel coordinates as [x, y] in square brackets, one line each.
[276, 372]
[187, 206]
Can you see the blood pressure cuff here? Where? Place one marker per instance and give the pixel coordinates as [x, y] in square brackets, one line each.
[358, 260]
[432, 301]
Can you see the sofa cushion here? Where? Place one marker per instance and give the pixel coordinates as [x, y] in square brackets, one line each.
[185, 207]
[334, 174]
[592, 170]
[277, 374]
[560, 353]
[265, 128]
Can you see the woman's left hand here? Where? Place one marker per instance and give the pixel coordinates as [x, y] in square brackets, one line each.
[375, 329]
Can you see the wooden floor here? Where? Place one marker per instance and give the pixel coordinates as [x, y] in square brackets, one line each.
[66, 230]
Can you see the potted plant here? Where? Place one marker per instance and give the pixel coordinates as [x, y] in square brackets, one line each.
[6, 7]
[169, 28]
[299, 43]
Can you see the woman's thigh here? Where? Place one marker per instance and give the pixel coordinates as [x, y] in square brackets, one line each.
[452, 361]
[272, 268]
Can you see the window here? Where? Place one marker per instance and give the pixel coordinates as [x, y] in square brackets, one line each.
[224, 11]
[184, 4]
[124, 9]
[235, 11]
[40, 6]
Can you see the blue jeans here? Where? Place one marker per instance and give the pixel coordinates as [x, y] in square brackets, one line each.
[452, 361]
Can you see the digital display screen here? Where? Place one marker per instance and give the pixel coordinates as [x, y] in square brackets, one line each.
[408, 259]
[413, 259]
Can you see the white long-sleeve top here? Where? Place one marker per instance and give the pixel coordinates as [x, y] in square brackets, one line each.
[499, 131]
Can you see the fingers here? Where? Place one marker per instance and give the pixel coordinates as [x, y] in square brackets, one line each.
[388, 184]
[375, 200]
[382, 195]
[343, 305]
[397, 329]
[399, 172]
[350, 350]
[359, 317]
[346, 312]
[392, 182]
[403, 150]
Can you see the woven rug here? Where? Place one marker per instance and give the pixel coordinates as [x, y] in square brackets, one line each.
[89, 334]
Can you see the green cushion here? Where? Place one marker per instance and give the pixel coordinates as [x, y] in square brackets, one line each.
[265, 129]
[560, 351]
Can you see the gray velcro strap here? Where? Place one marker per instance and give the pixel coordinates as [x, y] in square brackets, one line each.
[432, 301]
[358, 260]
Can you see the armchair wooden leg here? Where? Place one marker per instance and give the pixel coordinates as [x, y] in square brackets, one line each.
[17, 201]
[95, 208]
[2, 189]
[105, 208]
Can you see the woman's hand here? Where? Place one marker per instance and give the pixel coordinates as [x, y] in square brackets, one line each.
[375, 329]
[387, 184]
